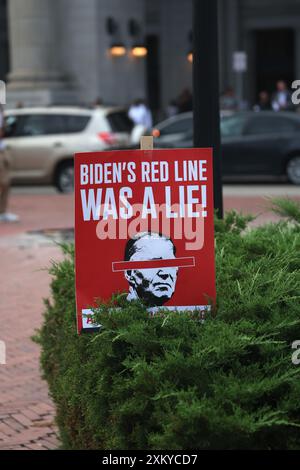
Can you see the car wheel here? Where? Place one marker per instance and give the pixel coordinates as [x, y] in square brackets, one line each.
[64, 180]
[293, 170]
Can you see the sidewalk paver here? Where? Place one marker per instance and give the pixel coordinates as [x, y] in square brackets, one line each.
[26, 411]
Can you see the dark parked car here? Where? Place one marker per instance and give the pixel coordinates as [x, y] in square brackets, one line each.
[254, 144]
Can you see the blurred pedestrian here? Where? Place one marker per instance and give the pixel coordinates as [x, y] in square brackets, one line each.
[228, 100]
[264, 102]
[185, 101]
[4, 177]
[281, 100]
[140, 114]
[172, 109]
[98, 102]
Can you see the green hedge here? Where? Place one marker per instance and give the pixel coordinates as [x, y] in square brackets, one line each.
[172, 382]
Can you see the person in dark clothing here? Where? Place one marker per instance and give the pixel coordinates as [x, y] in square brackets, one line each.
[264, 102]
[185, 101]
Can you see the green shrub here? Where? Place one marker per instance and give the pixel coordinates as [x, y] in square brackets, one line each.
[173, 382]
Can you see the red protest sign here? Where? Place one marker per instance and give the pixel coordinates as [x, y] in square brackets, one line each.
[144, 225]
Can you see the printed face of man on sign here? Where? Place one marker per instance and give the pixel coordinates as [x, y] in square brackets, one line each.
[155, 286]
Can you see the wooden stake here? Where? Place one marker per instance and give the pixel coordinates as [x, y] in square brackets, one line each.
[146, 142]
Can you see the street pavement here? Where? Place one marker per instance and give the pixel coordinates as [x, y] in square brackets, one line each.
[26, 251]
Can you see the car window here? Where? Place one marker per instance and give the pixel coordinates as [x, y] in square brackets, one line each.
[37, 124]
[270, 125]
[120, 122]
[232, 126]
[44, 124]
[10, 126]
[74, 123]
[180, 126]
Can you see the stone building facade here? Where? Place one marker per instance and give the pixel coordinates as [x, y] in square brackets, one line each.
[56, 51]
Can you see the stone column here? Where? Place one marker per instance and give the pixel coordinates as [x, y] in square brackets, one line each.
[35, 75]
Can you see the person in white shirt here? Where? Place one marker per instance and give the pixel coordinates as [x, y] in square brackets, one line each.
[282, 97]
[4, 177]
[139, 113]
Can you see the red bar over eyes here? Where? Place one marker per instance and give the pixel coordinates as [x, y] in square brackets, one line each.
[153, 264]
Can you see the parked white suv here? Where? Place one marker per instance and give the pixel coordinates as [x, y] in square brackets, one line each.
[42, 141]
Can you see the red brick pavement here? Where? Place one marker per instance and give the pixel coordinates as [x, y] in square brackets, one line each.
[26, 411]
[39, 211]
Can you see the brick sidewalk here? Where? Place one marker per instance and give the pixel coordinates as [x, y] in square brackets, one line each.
[26, 412]
[39, 211]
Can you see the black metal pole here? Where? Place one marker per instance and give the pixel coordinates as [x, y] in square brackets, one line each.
[206, 87]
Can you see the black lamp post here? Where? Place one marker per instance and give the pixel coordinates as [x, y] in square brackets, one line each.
[206, 87]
